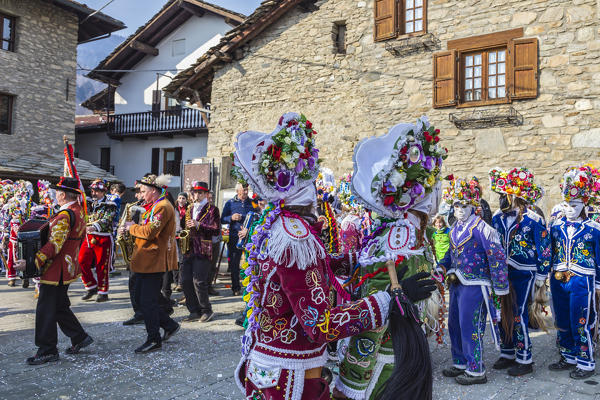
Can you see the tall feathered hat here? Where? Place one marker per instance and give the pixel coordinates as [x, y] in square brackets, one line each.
[518, 182]
[399, 170]
[467, 192]
[281, 165]
[581, 182]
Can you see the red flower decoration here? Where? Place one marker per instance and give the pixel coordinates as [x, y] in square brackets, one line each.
[308, 124]
[436, 139]
[437, 131]
[388, 200]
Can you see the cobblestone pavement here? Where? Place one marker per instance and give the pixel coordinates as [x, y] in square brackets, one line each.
[198, 362]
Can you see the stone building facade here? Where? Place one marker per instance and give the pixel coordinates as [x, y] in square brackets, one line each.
[293, 65]
[40, 74]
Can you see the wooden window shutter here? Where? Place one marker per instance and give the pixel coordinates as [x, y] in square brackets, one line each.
[385, 19]
[444, 79]
[155, 159]
[522, 68]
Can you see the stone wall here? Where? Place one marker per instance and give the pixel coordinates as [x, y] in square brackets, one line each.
[292, 66]
[39, 73]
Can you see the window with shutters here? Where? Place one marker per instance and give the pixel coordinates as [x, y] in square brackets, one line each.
[7, 32]
[172, 161]
[489, 69]
[6, 112]
[394, 18]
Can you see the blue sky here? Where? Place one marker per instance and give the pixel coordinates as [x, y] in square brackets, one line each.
[135, 13]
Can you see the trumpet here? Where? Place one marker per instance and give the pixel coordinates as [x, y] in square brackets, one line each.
[184, 235]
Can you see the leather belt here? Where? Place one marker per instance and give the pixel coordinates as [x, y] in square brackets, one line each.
[563, 276]
[313, 373]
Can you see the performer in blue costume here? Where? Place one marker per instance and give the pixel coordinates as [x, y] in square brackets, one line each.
[527, 246]
[575, 263]
[477, 274]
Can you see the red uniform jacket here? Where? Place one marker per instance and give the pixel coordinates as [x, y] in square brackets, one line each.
[58, 258]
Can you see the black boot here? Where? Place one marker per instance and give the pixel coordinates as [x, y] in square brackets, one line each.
[25, 283]
[466, 379]
[452, 372]
[148, 347]
[520, 369]
[561, 365]
[503, 363]
[89, 294]
[578, 373]
[39, 360]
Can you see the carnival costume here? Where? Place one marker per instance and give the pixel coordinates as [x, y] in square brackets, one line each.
[477, 273]
[527, 247]
[289, 271]
[96, 250]
[18, 211]
[397, 177]
[576, 272]
[351, 233]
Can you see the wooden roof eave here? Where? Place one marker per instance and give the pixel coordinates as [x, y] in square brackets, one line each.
[241, 38]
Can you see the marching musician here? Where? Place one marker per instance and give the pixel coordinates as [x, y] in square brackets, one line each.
[154, 254]
[96, 249]
[203, 222]
[57, 261]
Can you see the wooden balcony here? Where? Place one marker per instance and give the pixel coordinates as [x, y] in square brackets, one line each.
[164, 123]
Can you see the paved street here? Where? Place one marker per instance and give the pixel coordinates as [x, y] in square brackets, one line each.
[199, 361]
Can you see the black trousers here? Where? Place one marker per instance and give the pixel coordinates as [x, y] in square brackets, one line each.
[147, 294]
[137, 313]
[195, 274]
[54, 307]
[235, 256]
[166, 285]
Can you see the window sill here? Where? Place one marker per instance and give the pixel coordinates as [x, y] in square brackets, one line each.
[470, 104]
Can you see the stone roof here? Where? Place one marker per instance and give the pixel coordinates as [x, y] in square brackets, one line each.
[90, 120]
[197, 78]
[170, 17]
[35, 166]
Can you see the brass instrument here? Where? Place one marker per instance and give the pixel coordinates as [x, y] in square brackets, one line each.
[183, 238]
[125, 241]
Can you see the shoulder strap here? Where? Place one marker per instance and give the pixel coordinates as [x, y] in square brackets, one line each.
[71, 217]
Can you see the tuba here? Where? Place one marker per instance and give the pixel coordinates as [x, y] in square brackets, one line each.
[183, 238]
[126, 242]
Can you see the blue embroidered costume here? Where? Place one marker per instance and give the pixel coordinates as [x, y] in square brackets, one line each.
[527, 246]
[477, 259]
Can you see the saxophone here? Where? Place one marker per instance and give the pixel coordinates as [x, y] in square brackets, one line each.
[125, 241]
[184, 235]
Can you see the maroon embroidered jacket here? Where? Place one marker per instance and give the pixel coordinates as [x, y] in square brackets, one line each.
[209, 225]
[297, 319]
[58, 257]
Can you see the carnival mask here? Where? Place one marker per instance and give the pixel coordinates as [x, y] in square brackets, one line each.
[573, 209]
[462, 212]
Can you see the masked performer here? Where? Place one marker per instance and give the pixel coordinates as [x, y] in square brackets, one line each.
[397, 177]
[290, 318]
[576, 265]
[527, 246]
[477, 273]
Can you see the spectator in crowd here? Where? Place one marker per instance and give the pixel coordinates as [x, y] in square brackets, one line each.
[234, 212]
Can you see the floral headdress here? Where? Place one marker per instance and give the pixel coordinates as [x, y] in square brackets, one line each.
[281, 165]
[518, 182]
[46, 194]
[581, 183]
[99, 184]
[463, 191]
[394, 172]
[345, 192]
